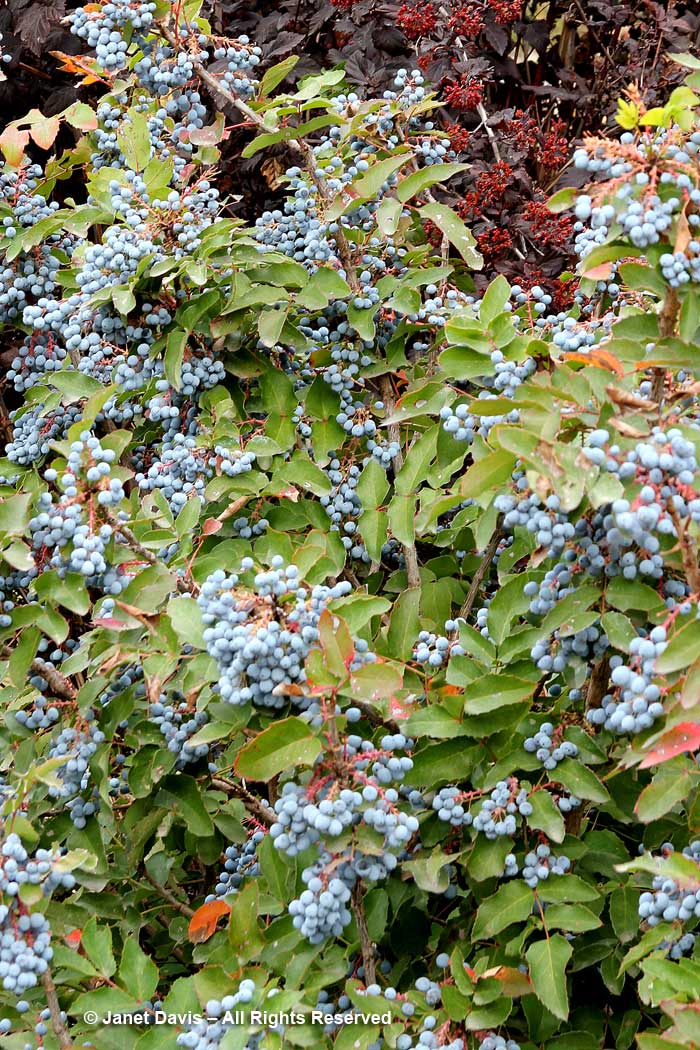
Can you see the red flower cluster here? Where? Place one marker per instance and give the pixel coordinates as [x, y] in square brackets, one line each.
[547, 230]
[553, 152]
[459, 137]
[343, 5]
[417, 22]
[522, 131]
[489, 189]
[562, 292]
[467, 21]
[506, 11]
[465, 93]
[433, 233]
[494, 243]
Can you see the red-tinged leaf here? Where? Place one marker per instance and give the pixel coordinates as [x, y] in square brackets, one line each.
[73, 938]
[599, 273]
[210, 526]
[290, 493]
[208, 136]
[13, 144]
[81, 116]
[203, 922]
[513, 981]
[44, 131]
[399, 711]
[683, 737]
[109, 621]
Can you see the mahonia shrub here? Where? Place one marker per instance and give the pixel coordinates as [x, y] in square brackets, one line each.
[349, 614]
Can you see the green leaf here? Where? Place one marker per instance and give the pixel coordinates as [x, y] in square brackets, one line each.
[456, 232]
[562, 200]
[487, 473]
[372, 485]
[96, 942]
[174, 354]
[624, 913]
[134, 141]
[276, 74]
[137, 973]
[186, 617]
[404, 626]
[421, 180]
[417, 464]
[388, 215]
[575, 918]
[546, 816]
[493, 691]
[181, 794]
[14, 514]
[547, 961]
[511, 903]
[430, 872]
[581, 781]
[668, 787]
[682, 650]
[270, 325]
[402, 516]
[284, 744]
[494, 300]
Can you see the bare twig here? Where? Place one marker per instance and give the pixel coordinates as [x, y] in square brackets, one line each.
[254, 806]
[64, 1040]
[366, 946]
[184, 909]
[688, 554]
[479, 575]
[489, 131]
[375, 716]
[668, 320]
[182, 585]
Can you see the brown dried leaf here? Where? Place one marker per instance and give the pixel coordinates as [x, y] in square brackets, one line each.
[626, 399]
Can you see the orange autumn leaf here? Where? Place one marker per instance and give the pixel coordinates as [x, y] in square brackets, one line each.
[203, 922]
[72, 64]
[599, 358]
[74, 938]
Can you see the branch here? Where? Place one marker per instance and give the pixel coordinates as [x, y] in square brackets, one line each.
[409, 549]
[478, 577]
[58, 683]
[489, 131]
[668, 321]
[366, 946]
[598, 683]
[375, 716]
[688, 555]
[184, 909]
[254, 806]
[64, 1040]
[182, 585]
